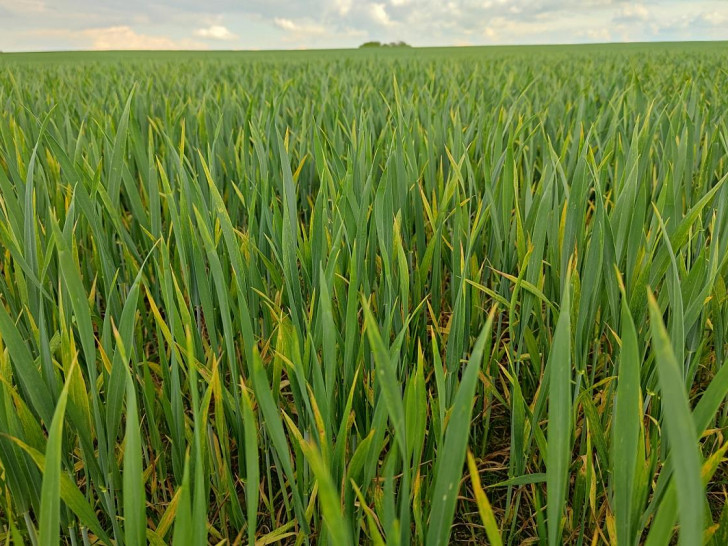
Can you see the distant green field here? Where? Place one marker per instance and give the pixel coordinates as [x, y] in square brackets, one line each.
[388, 296]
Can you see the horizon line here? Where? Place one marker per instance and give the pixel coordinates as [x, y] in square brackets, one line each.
[356, 48]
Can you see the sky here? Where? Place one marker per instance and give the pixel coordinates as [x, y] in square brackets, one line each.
[42, 25]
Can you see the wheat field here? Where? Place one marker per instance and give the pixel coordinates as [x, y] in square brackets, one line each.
[470, 295]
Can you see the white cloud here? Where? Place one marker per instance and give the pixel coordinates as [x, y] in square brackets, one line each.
[714, 18]
[598, 34]
[125, 37]
[632, 12]
[215, 32]
[285, 24]
[504, 30]
[299, 27]
[380, 15]
[342, 6]
[703, 25]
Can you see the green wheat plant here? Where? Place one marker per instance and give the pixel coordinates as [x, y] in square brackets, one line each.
[365, 297]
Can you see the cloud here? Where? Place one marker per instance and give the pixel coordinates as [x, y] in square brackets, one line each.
[379, 14]
[299, 27]
[215, 32]
[506, 30]
[342, 7]
[125, 37]
[23, 6]
[274, 24]
[632, 13]
[714, 18]
[598, 34]
[702, 25]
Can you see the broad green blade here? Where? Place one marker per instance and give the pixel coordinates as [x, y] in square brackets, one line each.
[681, 432]
[558, 456]
[50, 495]
[449, 464]
[627, 419]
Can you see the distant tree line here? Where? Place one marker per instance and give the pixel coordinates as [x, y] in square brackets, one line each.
[380, 44]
